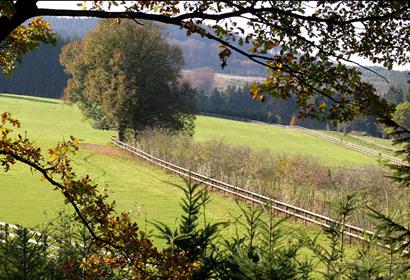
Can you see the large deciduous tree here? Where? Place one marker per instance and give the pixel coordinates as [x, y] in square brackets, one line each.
[124, 75]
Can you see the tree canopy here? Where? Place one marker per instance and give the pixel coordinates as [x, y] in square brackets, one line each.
[124, 75]
[402, 114]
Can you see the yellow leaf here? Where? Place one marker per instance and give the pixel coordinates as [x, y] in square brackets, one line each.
[270, 45]
[53, 156]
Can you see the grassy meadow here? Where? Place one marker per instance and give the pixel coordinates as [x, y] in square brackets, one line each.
[279, 140]
[145, 190]
[136, 186]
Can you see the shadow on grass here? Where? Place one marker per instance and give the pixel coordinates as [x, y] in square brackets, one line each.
[51, 101]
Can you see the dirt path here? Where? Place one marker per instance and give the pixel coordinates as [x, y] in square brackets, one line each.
[107, 150]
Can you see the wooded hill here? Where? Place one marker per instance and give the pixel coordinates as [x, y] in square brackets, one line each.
[41, 74]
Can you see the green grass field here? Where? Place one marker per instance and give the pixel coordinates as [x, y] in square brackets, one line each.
[358, 140]
[133, 185]
[145, 190]
[279, 140]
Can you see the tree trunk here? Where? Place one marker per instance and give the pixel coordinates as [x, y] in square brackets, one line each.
[121, 132]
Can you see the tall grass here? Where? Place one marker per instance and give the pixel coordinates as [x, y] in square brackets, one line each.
[295, 179]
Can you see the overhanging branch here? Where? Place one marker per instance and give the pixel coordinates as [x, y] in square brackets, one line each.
[59, 186]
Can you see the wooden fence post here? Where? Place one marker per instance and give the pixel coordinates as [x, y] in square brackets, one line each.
[6, 231]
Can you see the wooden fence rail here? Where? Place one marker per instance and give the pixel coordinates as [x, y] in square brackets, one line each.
[374, 143]
[351, 231]
[277, 206]
[323, 136]
[352, 146]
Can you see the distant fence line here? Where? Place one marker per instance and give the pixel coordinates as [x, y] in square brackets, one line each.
[277, 206]
[323, 136]
[375, 144]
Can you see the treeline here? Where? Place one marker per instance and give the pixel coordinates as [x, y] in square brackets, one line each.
[237, 102]
[40, 74]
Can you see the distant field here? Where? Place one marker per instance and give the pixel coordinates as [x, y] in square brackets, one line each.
[222, 81]
[279, 140]
[384, 146]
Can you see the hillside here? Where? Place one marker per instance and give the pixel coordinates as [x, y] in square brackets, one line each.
[136, 186]
[279, 140]
[198, 53]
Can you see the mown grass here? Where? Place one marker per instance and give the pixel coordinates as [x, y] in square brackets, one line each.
[147, 191]
[136, 186]
[279, 140]
[365, 141]
[49, 120]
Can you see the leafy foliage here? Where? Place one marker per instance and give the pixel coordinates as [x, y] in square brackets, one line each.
[22, 40]
[402, 114]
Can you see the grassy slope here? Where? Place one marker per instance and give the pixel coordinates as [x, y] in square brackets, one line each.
[279, 140]
[358, 140]
[136, 186]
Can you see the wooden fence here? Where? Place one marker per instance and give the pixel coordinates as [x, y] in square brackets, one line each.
[375, 144]
[353, 146]
[323, 136]
[278, 207]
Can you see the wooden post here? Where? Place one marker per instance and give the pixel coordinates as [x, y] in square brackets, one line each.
[6, 231]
